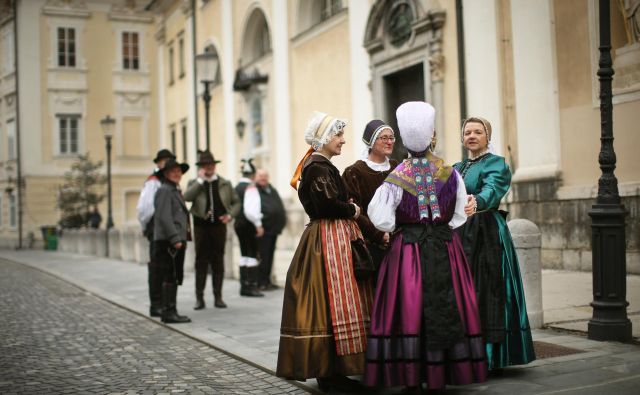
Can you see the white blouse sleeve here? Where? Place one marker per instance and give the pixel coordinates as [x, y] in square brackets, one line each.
[145, 208]
[459, 217]
[382, 208]
[252, 206]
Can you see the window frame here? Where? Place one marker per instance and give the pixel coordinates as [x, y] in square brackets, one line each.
[12, 210]
[171, 65]
[131, 60]
[11, 137]
[66, 50]
[68, 140]
[181, 57]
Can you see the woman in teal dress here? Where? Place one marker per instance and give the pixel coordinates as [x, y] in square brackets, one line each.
[490, 251]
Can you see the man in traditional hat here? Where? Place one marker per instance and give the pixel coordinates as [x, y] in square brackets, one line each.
[145, 210]
[248, 228]
[215, 203]
[170, 234]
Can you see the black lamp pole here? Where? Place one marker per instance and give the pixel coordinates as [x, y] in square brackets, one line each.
[206, 96]
[107, 128]
[609, 321]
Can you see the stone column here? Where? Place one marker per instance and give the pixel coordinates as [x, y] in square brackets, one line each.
[527, 240]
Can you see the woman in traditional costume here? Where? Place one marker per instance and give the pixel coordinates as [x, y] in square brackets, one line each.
[490, 251]
[425, 326]
[325, 314]
[365, 176]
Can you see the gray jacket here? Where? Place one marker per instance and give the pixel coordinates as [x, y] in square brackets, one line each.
[171, 214]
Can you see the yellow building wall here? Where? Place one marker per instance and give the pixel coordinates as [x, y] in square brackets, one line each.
[320, 80]
[579, 117]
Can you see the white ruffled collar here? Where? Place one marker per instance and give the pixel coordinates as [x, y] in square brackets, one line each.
[384, 166]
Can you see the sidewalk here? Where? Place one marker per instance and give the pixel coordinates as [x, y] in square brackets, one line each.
[249, 328]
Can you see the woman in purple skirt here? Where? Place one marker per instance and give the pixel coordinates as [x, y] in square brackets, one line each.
[425, 326]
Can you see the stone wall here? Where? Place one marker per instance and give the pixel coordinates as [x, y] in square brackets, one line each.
[566, 226]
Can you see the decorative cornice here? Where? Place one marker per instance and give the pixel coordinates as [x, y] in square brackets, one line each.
[186, 8]
[68, 8]
[129, 11]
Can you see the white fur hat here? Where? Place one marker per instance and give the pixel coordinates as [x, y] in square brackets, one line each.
[321, 128]
[416, 120]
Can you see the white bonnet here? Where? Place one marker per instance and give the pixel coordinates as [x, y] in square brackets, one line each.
[321, 128]
[416, 123]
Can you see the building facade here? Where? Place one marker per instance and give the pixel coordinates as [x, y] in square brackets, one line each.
[528, 67]
[78, 61]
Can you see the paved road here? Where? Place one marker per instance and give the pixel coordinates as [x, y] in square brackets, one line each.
[59, 339]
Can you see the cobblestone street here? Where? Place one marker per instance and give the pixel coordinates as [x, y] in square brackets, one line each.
[59, 339]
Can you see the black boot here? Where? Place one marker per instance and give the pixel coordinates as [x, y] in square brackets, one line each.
[169, 312]
[217, 290]
[247, 287]
[199, 301]
[155, 289]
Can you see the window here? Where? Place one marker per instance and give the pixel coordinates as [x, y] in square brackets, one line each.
[68, 134]
[130, 51]
[331, 7]
[66, 47]
[8, 64]
[1, 211]
[181, 56]
[173, 138]
[256, 122]
[171, 65]
[11, 139]
[13, 217]
[183, 126]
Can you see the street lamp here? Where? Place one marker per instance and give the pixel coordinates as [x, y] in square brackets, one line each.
[207, 64]
[107, 129]
[240, 125]
[609, 321]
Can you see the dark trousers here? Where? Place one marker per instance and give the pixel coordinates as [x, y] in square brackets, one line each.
[210, 240]
[267, 248]
[154, 276]
[171, 261]
[248, 241]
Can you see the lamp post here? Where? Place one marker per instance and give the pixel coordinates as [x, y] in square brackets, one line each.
[609, 321]
[240, 128]
[207, 72]
[107, 129]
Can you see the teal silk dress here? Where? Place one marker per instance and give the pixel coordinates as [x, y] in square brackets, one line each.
[494, 264]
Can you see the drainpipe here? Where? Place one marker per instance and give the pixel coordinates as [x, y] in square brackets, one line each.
[18, 156]
[462, 76]
[195, 76]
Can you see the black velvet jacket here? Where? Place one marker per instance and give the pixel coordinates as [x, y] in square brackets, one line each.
[322, 191]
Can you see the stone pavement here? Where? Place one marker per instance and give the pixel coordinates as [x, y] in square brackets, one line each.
[249, 328]
[58, 339]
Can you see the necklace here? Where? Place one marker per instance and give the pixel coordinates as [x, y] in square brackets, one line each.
[470, 162]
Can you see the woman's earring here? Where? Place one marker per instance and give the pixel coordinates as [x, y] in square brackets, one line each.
[434, 141]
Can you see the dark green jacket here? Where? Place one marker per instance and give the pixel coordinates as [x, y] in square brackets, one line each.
[196, 193]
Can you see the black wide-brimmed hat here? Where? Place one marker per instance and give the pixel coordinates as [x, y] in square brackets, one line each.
[171, 163]
[163, 154]
[206, 158]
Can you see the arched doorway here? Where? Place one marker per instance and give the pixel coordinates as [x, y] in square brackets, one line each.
[404, 45]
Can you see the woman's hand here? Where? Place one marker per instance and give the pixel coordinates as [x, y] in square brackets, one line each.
[178, 245]
[471, 206]
[357, 214]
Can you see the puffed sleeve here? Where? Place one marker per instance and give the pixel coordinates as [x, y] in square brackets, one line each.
[496, 179]
[382, 208]
[324, 193]
[352, 182]
[252, 205]
[459, 216]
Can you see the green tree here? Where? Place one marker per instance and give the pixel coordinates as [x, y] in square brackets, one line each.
[82, 189]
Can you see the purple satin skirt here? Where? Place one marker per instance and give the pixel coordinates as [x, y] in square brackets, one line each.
[395, 352]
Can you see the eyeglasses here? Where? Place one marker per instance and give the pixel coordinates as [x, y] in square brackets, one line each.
[387, 139]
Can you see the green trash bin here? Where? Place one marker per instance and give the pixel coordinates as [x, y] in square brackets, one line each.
[50, 236]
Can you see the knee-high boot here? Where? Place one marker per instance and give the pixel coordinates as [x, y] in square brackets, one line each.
[169, 311]
[248, 282]
[155, 289]
[217, 290]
